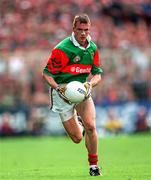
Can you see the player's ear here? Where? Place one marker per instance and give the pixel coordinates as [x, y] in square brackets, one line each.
[73, 28]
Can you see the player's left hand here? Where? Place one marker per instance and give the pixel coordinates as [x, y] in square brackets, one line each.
[88, 87]
[61, 92]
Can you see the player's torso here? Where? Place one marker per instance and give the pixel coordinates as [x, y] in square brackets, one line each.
[76, 54]
[80, 62]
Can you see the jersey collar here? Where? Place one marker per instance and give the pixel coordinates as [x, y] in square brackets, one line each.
[75, 42]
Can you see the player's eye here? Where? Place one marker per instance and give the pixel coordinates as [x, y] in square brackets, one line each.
[81, 30]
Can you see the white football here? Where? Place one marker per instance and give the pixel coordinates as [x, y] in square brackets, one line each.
[75, 91]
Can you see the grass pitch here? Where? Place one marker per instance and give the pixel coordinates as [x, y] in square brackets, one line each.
[57, 158]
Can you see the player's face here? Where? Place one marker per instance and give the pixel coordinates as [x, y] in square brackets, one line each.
[81, 31]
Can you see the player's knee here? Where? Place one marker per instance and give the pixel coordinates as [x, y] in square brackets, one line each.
[90, 127]
[77, 139]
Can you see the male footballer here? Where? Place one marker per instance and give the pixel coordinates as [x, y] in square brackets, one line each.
[74, 59]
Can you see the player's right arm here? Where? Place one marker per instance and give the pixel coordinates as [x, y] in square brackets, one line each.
[56, 62]
[50, 80]
[61, 90]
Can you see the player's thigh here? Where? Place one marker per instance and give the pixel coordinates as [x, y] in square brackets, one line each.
[70, 122]
[86, 110]
[72, 128]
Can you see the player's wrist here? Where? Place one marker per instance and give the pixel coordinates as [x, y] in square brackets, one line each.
[57, 88]
[90, 83]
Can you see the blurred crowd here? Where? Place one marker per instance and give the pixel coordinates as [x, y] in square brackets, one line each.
[29, 29]
[42, 23]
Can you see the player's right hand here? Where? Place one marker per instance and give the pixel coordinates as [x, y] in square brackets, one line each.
[88, 87]
[61, 92]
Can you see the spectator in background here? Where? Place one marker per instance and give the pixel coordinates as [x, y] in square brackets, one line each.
[141, 120]
[113, 124]
[5, 125]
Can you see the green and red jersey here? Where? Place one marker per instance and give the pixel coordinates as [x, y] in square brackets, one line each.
[69, 62]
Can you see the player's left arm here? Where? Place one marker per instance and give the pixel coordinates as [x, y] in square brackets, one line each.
[97, 70]
[96, 74]
[95, 80]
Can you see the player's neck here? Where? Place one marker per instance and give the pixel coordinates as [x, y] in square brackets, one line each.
[84, 44]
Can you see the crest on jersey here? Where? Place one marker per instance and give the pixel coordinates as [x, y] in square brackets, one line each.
[77, 59]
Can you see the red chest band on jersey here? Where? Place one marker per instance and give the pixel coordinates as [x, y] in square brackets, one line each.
[77, 69]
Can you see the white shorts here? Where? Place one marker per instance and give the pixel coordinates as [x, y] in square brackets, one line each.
[65, 110]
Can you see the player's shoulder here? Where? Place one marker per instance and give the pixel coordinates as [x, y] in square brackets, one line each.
[66, 46]
[65, 42]
[93, 45]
